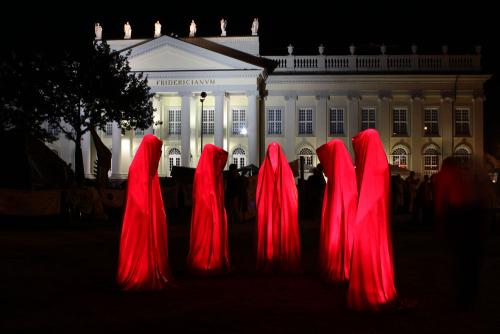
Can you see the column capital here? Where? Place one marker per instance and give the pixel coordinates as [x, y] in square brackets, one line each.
[291, 97]
[252, 93]
[354, 98]
[321, 97]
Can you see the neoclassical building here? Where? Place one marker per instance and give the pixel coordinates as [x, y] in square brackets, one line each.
[425, 107]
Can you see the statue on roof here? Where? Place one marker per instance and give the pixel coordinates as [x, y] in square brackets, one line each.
[223, 25]
[255, 26]
[98, 31]
[157, 29]
[127, 29]
[192, 29]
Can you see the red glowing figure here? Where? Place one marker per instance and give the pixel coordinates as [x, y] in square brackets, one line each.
[339, 211]
[278, 241]
[371, 284]
[143, 262]
[208, 247]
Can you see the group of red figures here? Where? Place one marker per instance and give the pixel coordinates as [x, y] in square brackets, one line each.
[355, 242]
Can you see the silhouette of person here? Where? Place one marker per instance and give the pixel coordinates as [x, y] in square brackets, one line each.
[143, 261]
[231, 193]
[192, 29]
[278, 240]
[460, 198]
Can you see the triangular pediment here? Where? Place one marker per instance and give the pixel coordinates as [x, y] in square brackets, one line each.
[171, 54]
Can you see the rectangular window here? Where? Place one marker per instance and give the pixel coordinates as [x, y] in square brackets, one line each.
[431, 125]
[274, 121]
[305, 121]
[400, 121]
[336, 121]
[208, 122]
[108, 130]
[174, 121]
[462, 122]
[239, 121]
[367, 118]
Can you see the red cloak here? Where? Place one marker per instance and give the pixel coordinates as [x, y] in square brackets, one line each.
[371, 283]
[208, 246]
[143, 262]
[339, 211]
[278, 241]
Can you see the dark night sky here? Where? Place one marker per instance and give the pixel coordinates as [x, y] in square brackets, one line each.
[336, 24]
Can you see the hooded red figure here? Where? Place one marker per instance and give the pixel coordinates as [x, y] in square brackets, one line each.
[208, 246]
[371, 284]
[143, 262]
[278, 241]
[339, 211]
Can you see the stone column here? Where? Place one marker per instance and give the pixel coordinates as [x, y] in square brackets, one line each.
[477, 128]
[116, 146]
[218, 120]
[156, 114]
[353, 120]
[416, 133]
[252, 129]
[86, 154]
[290, 126]
[185, 130]
[383, 121]
[446, 120]
[321, 121]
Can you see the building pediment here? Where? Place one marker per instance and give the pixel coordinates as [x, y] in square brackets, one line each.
[172, 54]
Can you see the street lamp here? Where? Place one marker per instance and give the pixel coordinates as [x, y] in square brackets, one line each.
[203, 95]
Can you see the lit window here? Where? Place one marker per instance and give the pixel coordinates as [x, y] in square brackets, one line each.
[274, 121]
[336, 121]
[108, 130]
[174, 121]
[431, 125]
[174, 158]
[305, 121]
[208, 122]
[239, 157]
[400, 157]
[367, 118]
[463, 153]
[400, 121]
[239, 121]
[308, 155]
[431, 160]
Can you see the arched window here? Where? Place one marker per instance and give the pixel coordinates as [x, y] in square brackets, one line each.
[174, 158]
[308, 155]
[239, 157]
[431, 159]
[400, 156]
[463, 153]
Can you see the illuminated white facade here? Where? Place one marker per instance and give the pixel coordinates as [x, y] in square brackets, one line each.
[423, 110]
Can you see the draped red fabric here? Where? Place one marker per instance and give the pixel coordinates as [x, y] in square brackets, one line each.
[143, 261]
[278, 241]
[371, 284]
[208, 247]
[339, 211]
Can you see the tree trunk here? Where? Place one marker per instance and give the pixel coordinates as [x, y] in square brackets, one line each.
[103, 159]
[79, 172]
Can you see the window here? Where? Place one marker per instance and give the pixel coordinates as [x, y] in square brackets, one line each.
[174, 121]
[174, 158]
[336, 121]
[139, 132]
[431, 126]
[208, 122]
[239, 157]
[274, 121]
[308, 154]
[463, 153]
[305, 121]
[462, 121]
[367, 118]
[239, 121]
[400, 156]
[108, 130]
[431, 160]
[400, 122]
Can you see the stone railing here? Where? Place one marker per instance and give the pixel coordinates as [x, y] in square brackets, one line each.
[378, 63]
